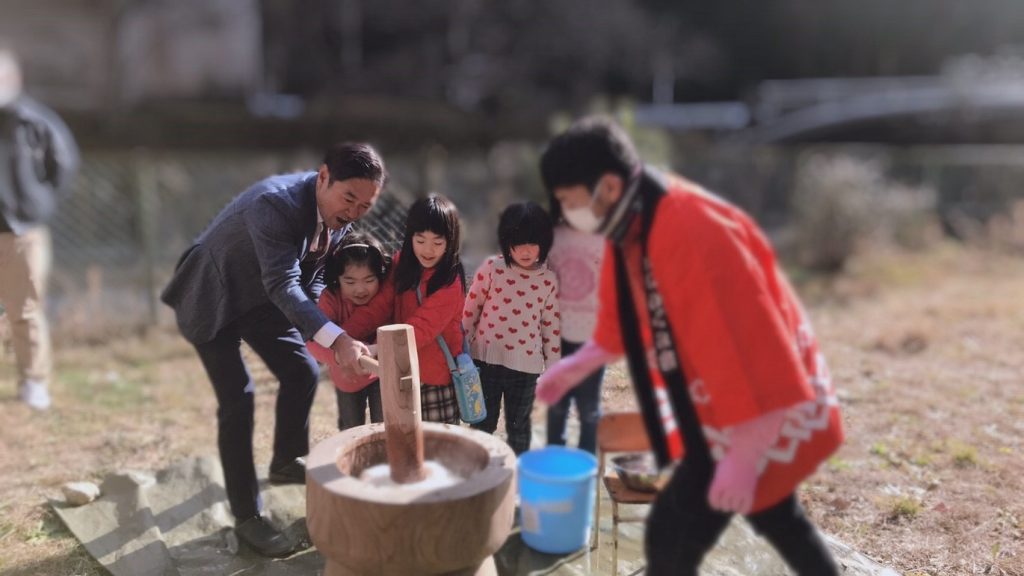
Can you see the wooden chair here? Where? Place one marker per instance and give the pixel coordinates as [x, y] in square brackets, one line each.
[618, 432]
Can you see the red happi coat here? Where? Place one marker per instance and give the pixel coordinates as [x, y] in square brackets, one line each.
[742, 337]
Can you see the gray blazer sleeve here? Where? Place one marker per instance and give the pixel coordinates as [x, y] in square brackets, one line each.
[276, 240]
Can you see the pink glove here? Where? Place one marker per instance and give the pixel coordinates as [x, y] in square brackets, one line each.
[732, 489]
[568, 372]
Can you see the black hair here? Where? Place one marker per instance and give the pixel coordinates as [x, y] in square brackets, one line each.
[525, 223]
[436, 214]
[359, 249]
[347, 160]
[592, 147]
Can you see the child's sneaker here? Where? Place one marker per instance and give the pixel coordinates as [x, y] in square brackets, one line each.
[35, 394]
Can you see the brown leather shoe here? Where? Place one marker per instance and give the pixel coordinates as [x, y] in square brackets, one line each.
[259, 535]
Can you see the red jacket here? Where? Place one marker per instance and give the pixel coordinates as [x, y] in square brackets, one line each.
[441, 313]
[744, 341]
[338, 310]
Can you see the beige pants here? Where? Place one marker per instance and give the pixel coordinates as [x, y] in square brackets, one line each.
[24, 270]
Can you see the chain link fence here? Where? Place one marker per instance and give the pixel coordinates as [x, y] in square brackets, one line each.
[118, 236]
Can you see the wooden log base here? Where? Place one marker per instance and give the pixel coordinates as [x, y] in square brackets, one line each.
[487, 568]
[399, 530]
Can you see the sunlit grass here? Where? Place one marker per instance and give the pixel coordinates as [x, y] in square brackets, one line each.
[905, 508]
[964, 455]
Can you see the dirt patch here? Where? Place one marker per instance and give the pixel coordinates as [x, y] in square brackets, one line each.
[926, 351]
[930, 478]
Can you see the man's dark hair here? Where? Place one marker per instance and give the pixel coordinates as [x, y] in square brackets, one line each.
[436, 214]
[347, 160]
[590, 148]
[525, 223]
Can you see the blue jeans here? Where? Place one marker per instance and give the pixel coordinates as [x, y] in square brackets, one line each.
[352, 406]
[588, 404]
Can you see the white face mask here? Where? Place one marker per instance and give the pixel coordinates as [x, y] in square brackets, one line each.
[583, 218]
[7, 96]
[10, 80]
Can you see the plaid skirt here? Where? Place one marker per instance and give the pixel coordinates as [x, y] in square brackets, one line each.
[438, 404]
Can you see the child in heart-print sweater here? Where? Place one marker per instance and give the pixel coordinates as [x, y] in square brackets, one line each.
[512, 321]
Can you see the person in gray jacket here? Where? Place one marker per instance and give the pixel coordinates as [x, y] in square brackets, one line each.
[254, 275]
[38, 160]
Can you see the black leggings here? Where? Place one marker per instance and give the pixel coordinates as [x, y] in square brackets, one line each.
[682, 527]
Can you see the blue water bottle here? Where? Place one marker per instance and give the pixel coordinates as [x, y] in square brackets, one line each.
[468, 390]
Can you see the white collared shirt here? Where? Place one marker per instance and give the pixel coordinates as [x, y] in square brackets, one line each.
[330, 331]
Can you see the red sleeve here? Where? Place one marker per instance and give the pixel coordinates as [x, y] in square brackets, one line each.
[608, 330]
[379, 311]
[330, 305]
[720, 303]
[436, 313]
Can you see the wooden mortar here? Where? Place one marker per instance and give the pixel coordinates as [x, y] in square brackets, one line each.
[362, 529]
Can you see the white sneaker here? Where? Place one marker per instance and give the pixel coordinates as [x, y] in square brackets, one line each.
[35, 394]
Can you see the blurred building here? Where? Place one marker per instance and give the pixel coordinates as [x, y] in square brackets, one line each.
[112, 54]
[284, 73]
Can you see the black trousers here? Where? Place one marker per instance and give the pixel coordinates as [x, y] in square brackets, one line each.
[682, 528]
[278, 343]
[518, 389]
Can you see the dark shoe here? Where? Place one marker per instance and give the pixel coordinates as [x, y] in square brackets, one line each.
[259, 535]
[293, 472]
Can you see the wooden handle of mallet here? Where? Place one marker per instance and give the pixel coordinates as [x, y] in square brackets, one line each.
[370, 364]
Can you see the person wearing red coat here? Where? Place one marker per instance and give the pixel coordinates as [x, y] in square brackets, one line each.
[724, 363]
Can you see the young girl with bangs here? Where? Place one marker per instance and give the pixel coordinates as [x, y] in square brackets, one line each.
[355, 272]
[428, 263]
[512, 319]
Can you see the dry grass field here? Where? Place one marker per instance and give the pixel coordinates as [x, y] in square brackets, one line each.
[927, 350]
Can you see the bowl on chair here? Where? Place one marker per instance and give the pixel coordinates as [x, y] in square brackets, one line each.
[639, 471]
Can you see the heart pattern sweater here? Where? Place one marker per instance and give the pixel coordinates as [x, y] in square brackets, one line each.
[511, 316]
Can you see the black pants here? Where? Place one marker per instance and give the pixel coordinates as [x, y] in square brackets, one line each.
[518, 389]
[682, 527]
[279, 344]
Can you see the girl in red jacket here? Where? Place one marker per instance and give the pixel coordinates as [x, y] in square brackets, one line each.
[426, 290]
[355, 272]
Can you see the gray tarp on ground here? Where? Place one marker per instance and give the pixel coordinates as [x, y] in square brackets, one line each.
[176, 523]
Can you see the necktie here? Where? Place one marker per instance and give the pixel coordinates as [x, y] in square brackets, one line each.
[319, 244]
[322, 239]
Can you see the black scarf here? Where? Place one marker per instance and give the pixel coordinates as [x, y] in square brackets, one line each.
[652, 189]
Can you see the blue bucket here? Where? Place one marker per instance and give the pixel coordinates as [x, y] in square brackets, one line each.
[556, 498]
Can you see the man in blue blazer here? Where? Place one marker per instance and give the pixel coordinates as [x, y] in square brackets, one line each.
[254, 275]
